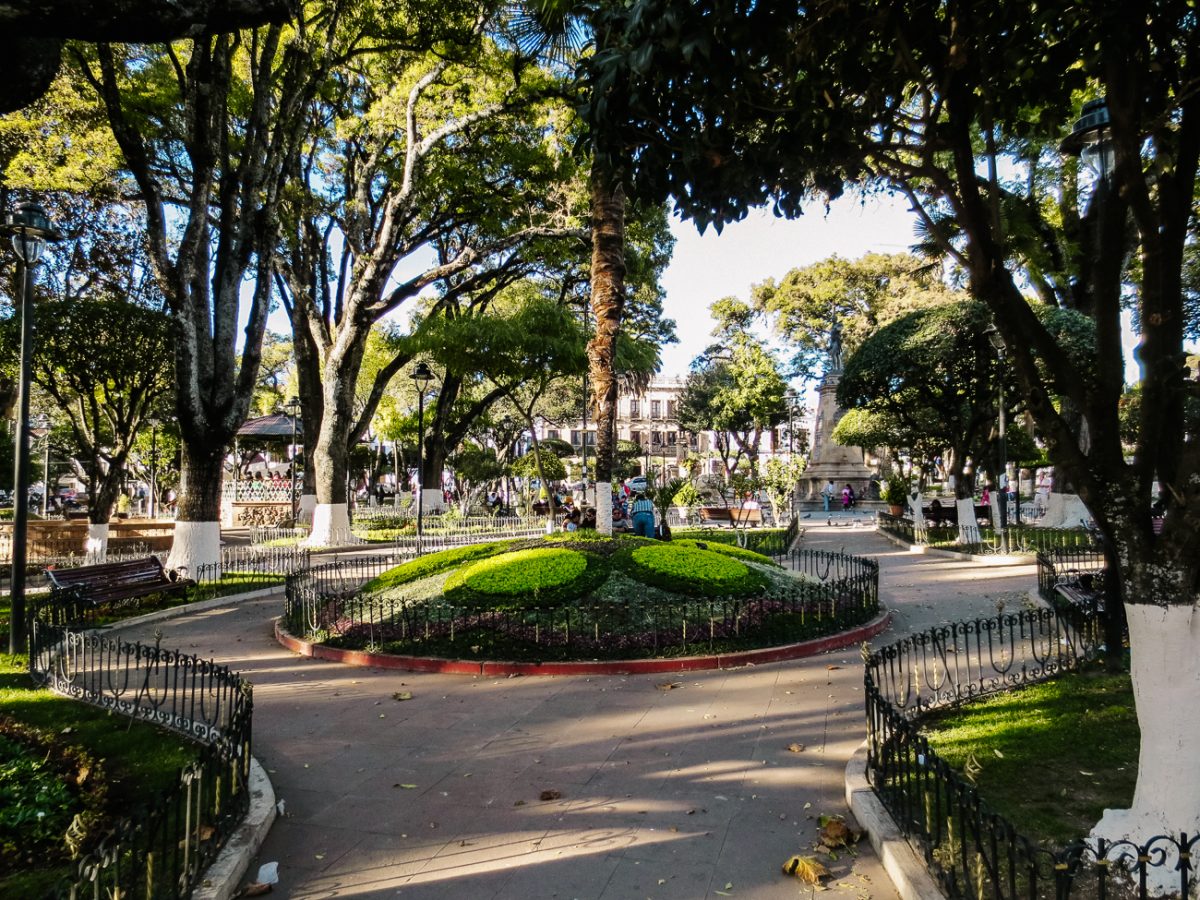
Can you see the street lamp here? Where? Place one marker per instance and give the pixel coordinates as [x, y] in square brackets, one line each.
[30, 229]
[154, 423]
[997, 342]
[293, 406]
[421, 377]
[41, 431]
[1091, 139]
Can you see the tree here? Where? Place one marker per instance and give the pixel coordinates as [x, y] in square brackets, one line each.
[211, 181]
[860, 295]
[443, 163]
[931, 99]
[779, 479]
[34, 32]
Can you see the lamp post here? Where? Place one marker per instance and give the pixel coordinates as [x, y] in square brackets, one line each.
[30, 229]
[293, 406]
[1090, 139]
[154, 423]
[421, 377]
[997, 342]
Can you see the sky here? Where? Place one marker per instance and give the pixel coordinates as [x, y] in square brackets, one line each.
[708, 267]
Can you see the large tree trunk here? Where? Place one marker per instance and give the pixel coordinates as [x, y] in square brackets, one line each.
[608, 302]
[197, 545]
[1165, 668]
[330, 457]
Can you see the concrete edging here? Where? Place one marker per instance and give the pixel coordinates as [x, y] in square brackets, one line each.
[221, 880]
[995, 560]
[185, 609]
[585, 667]
[904, 867]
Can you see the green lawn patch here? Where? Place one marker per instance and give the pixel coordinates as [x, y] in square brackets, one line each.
[60, 759]
[1052, 756]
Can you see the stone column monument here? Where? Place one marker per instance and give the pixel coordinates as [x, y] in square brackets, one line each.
[829, 460]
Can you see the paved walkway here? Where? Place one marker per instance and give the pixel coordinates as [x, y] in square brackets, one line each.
[615, 788]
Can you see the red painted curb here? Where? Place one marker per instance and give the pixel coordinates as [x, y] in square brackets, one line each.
[586, 667]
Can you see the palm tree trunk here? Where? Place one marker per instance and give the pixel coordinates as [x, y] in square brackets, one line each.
[608, 303]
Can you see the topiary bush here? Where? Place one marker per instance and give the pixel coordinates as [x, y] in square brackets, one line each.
[729, 550]
[425, 566]
[692, 571]
[543, 576]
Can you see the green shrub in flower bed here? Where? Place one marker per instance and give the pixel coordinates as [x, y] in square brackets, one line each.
[760, 540]
[538, 576]
[432, 564]
[727, 550]
[693, 571]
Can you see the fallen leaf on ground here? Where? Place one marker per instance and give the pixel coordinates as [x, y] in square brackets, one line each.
[402, 695]
[806, 868]
[836, 833]
[254, 889]
[670, 685]
[550, 795]
[796, 747]
[830, 668]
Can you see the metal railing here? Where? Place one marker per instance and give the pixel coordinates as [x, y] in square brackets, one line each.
[163, 851]
[325, 604]
[1055, 567]
[972, 851]
[257, 492]
[984, 540]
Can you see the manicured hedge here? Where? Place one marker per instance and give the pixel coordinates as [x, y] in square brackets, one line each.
[728, 550]
[542, 576]
[691, 571]
[425, 566]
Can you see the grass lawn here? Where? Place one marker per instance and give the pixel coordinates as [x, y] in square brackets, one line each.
[1051, 756]
[128, 765]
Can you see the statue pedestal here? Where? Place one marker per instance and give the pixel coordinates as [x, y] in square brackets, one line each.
[829, 460]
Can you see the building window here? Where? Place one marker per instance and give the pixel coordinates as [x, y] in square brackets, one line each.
[590, 438]
[575, 437]
[670, 409]
[658, 438]
[634, 409]
[672, 438]
[552, 434]
[656, 409]
[636, 437]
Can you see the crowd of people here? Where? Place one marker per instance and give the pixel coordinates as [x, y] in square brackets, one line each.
[632, 513]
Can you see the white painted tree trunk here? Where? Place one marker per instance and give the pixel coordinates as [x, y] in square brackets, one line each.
[916, 509]
[604, 507]
[1165, 668]
[304, 512]
[196, 549]
[330, 526]
[968, 531]
[97, 542]
[1064, 511]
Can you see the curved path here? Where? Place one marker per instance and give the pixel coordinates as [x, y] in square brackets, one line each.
[654, 786]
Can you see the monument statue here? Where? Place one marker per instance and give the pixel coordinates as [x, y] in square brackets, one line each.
[835, 347]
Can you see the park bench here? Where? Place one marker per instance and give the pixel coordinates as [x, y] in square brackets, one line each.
[715, 515]
[753, 517]
[112, 584]
[1084, 591]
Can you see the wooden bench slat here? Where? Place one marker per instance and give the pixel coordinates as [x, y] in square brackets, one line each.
[106, 583]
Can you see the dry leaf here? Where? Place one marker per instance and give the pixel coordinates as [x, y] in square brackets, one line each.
[519, 803]
[796, 747]
[807, 868]
[998, 753]
[550, 795]
[831, 668]
[836, 833]
[670, 685]
[402, 695]
[254, 889]
[409, 787]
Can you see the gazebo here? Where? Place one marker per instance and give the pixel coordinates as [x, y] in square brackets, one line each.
[270, 504]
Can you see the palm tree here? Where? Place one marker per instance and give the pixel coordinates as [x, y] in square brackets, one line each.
[558, 30]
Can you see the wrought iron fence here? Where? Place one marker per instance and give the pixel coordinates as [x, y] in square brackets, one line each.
[1055, 567]
[984, 540]
[973, 852]
[325, 604]
[163, 851]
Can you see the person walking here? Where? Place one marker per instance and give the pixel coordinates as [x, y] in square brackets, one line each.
[643, 516]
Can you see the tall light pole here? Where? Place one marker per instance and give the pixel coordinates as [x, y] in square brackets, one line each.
[154, 423]
[997, 342]
[293, 406]
[30, 229]
[421, 377]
